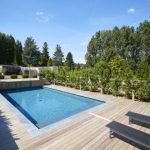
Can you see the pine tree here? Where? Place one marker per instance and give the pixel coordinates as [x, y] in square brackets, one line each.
[45, 55]
[31, 54]
[58, 56]
[50, 62]
[69, 63]
[2, 48]
[18, 53]
[10, 49]
[7, 49]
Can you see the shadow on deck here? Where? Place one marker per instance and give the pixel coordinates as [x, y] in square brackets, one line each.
[7, 141]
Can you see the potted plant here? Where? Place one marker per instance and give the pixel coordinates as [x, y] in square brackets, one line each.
[40, 76]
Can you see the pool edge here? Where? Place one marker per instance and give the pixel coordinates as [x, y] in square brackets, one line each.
[34, 131]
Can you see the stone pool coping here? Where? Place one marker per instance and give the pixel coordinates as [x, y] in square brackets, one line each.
[8, 84]
[15, 80]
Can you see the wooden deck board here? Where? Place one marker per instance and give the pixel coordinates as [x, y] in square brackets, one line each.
[86, 132]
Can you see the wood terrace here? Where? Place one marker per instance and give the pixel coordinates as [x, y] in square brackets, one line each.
[86, 132]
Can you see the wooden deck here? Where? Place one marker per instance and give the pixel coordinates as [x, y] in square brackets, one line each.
[87, 132]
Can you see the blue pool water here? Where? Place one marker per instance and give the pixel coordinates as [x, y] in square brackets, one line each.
[44, 106]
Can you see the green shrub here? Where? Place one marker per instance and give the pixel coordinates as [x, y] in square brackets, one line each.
[143, 92]
[85, 88]
[115, 86]
[131, 85]
[50, 76]
[93, 88]
[25, 76]
[10, 70]
[34, 76]
[41, 74]
[94, 84]
[119, 82]
[1, 76]
[13, 76]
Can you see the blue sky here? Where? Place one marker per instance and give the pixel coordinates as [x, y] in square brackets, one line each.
[70, 23]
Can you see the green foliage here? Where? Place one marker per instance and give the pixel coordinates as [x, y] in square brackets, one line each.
[130, 43]
[31, 54]
[58, 56]
[42, 74]
[103, 70]
[34, 76]
[7, 49]
[143, 92]
[13, 76]
[69, 63]
[77, 66]
[143, 32]
[50, 62]
[18, 53]
[143, 70]
[45, 55]
[1, 76]
[91, 55]
[8, 70]
[115, 87]
[50, 75]
[25, 76]
[121, 58]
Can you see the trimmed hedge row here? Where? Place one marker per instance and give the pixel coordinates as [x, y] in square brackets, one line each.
[88, 80]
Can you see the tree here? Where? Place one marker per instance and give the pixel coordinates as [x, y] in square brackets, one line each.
[58, 56]
[109, 54]
[91, 55]
[50, 62]
[31, 54]
[78, 66]
[69, 63]
[98, 44]
[2, 48]
[144, 33]
[45, 55]
[18, 53]
[7, 49]
[115, 38]
[10, 49]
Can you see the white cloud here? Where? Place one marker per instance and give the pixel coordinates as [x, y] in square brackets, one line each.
[41, 17]
[83, 44]
[38, 13]
[131, 10]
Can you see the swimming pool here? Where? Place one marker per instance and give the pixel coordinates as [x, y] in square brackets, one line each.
[44, 106]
